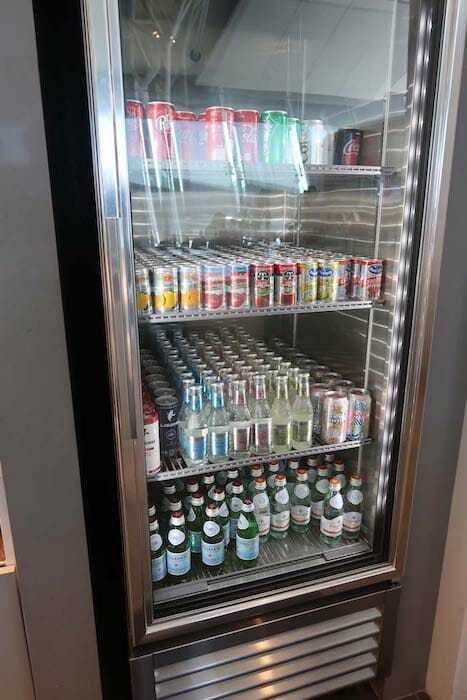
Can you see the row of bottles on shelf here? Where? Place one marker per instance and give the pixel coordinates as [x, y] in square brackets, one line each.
[259, 276]
[237, 511]
[228, 396]
[240, 136]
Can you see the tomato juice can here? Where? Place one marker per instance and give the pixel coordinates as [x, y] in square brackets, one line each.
[213, 286]
[246, 124]
[151, 441]
[285, 283]
[185, 135]
[358, 424]
[189, 285]
[238, 285]
[219, 143]
[164, 288]
[369, 279]
[161, 117]
[335, 417]
[261, 284]
[328, 279]
[344, 275]
[307, 281]
[134, 129]
[143, 291]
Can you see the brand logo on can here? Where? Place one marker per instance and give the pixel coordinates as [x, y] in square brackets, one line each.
[163, 123]
[262, 276]
[375, 269]
[326, 271]
[313, 272]
[352, 147]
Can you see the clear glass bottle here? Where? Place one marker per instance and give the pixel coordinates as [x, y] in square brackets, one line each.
[240, 423]
[247, 535]
[300, 503]
[261, 421]
[273, 469]
[218, 426]
[262, 508]
[178, 550]
[212, 539]
[353, 506]
[281, 417]
[293, 383]
[235, 502]
[194, 522]
[182, 414]
[291, 473]
[158, 557]
[218, 497]
[338, 472]
[271, 381]
[318, 492]
[280, 508]
[312, 464]
[195, 448]
[302, 415]
[332, 519]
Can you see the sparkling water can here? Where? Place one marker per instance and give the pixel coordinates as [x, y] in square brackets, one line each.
[358, 425]
[335, 417]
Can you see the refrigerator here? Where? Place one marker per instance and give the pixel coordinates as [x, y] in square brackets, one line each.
[262, 173]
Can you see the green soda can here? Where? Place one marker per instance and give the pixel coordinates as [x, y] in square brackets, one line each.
[275, 132]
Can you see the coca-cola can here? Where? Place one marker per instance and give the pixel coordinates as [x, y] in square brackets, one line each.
[161, 117]
[285, 283]
[347, 146]
[134, 129]
[246, 121]
[220, 122]
[262, 283]
[185, 135]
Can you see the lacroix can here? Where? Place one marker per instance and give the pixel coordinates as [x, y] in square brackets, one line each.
[213, 286]
[185, 135]
[143, 291]
[344, 275]
[189, 287]
[308, 281]
[238, 285]
[369, 279]
[161, 116]
[328, 279]
[262, 283]
[358, 424]
[164, 288]
[219, 133]
[335, 417]
[134, 128]
[285, 283]
[246, 122]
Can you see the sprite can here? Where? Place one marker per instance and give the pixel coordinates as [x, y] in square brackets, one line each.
[275, 131]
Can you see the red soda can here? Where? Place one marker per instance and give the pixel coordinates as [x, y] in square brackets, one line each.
[285, 283]
[134, 128]
[247, 130]
[185, 135]
[262, 283]
[161, 116]
[219, 133]
[369, 283]
[238, 284]
[202, 136]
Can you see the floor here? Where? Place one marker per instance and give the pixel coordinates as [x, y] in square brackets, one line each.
[364, 692]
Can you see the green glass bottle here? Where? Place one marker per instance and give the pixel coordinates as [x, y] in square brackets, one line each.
[353, 499]
[256, 471]
[158, 558]
[300, 503]
[178, 549]
[318, 491]
[218, 498]
[209, 484]
[247, 536]
[280, 508]
[333, 514]
[212, 539]
[338, 471]
[273, 469]
[194, 523]
[191, 487]
[291, 473]
[262, 508]
[235, 502]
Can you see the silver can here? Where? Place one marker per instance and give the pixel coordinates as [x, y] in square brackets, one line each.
[312, 142]
[358, 424]
[317, 394]
[335, 417]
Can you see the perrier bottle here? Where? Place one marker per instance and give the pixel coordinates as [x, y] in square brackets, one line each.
[247, 535]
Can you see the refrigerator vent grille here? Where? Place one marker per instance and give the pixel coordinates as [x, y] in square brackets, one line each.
[294, 665]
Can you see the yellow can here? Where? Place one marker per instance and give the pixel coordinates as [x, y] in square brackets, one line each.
[164, 287]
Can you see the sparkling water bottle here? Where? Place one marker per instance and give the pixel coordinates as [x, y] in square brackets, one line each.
[195, 448]
[302, 415]
[240, 423]
[261, 421]
[218, 426]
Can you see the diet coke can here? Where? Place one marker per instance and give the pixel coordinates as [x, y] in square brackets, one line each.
[347, 146]
[262, 284]
[134, 129]
[285, 283]
[220, 122]
[161, 116]
[246, 121]
[185, 135]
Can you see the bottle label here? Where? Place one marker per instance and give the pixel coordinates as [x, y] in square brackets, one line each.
[264, 523]
[223, 510]
[300, 514]
[156, 542]
[191, 515]
[195, 541]
[282, 434]
[332, 527]
[317, 508]
[336, 501]
[280, 521]
[211, 492]
[354, 496]
[219, 443]
[352, 521]
[247, 548]
[233, 527]
[282, 497]
[212, 554]
[302, 431]
[301, 490]
[271, 479]
[210, 528]
[261, 501]
[176, 537]
[226, 529]
[178, 563]
[262, 434]
[322, 485]
[242, 522]
[159, 568]
[241, 439]
[236, 504]
[196, 446]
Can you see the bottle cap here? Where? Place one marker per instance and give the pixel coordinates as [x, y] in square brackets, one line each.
[153, 525]
[152, 511]
[280, 480]
[208, 479]
[260, 483]
[256, 470]
[322, 470]
[329, 457]
[312, 461]
[177, 518]
[218, 493]
[168, 489]
[339, 465]
[356, 480]
[293, 463]
[237, 487]
[274, 466]
[247, 506]
[302, 475]
[174, 503]
[232, 473]
[192, 486]
[335, 484]
[197, 499]
[212, 511]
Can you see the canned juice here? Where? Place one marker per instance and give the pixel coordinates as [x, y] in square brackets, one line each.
[262, 284]
[308, 281]
[164, 288]
[143, 291]
[358, 424]
[285, 283]
[238, 285]
[335, 417]
[328, 279]
[344, 275]
[213, 286]
[369, 279]
[189, 285]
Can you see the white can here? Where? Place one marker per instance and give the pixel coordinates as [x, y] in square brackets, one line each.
[313, 142]
[152, 452]
[335, 417]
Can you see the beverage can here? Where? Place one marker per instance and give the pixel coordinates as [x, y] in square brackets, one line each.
[167, 408]
[347, 146]
[164, 288]
[238, 285]
[185, 135]
[213, 286]
[246, 123]
[134, 129]
[335, 417]
[308, 281]
[358, 426]
[369, 279]
[317, 393]
[143, 291]
[285, 283]
[293, 152]
[219, 125]
[151, 442]
[313, 142]
[189, 284]
[161, 117]
[344, 275]
[274, 128]
[202, 136]
[328, 279]
[261, 284]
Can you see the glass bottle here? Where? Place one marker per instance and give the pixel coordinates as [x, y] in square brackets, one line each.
[353, 499]
[194, 522]
[235, 502]
[302, 415]
[232, 476]
[158, 558]
[218, 426]
[212, 539]
[209, 484]
[178, 550]
[318, 492]
[312, 466]
[291, 473]
[191, 487]
[333, 514]
[256, 471]
[262, 508]
[280, 508]
[247, 536]
[338, 472]
[300, 503]
[281, 417]
[218, 497]
[261, 421]
[195, 447]
[293, 375]
[182, 414]
[273, 469]
[240, 422]
[271, 381]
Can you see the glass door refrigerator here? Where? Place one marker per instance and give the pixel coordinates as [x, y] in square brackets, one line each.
[259, 169]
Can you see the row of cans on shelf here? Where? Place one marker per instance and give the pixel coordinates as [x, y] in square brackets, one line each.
[171, 280]
[219, 132]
